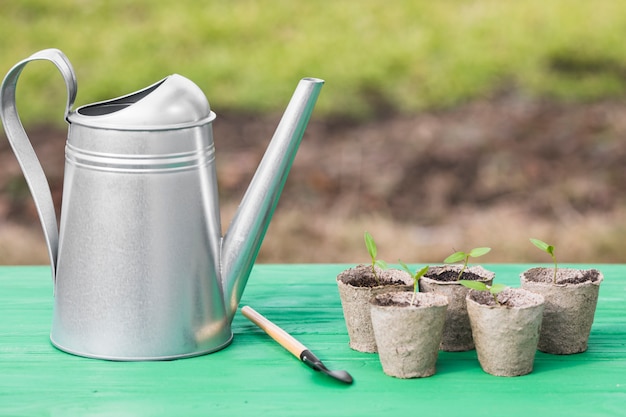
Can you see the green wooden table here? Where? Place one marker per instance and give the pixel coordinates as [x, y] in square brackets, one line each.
[255, 376]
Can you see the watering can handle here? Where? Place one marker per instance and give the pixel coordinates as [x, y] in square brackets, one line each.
[33, 172]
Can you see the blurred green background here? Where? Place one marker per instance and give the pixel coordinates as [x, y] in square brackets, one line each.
[402, 56]
[443, 125]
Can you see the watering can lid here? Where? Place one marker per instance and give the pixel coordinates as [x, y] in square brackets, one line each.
[175, 101]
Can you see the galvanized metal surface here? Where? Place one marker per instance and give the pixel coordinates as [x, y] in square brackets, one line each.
[141, 269]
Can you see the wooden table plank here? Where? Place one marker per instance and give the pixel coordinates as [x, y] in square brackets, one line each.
[255, 376]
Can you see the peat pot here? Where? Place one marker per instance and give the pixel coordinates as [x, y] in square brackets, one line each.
[570, 306]
[357, 286]
[506, 335]
[408, 332]
[457, 333]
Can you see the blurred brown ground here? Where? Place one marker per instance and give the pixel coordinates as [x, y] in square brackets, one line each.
[492, 172]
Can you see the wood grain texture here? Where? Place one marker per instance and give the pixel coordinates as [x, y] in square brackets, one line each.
[255, 376]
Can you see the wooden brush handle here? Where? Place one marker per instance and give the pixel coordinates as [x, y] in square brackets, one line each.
[282, 337]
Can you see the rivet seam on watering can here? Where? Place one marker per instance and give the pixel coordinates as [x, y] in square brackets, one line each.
[139, 163]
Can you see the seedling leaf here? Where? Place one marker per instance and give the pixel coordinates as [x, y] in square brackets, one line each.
[371, 246]
[543, 246]
[455, 257]
[405, 267]
[549, 249]
[422, 272]
[462, 256]
[373, 251]
[497, 288]
[475, 285]
[416, 277]
[494, 289]
[381, 264]
[476, 252]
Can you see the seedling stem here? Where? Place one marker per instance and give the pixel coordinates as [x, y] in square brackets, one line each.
[462, 256]
[416, 277]
[373, 252]
[549, 249]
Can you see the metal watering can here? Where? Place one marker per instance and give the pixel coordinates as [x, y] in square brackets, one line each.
[140, 268]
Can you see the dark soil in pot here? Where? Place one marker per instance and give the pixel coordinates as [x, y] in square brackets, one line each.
[357, 286]
[457, 332]
[570, 306]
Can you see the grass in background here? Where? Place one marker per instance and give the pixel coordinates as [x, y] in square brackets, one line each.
[376, 56]
[404, 56]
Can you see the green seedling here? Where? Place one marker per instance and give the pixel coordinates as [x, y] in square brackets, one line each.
[416, 277]
[463, 256]
[494, 289]
[549, 249]
[373, 251]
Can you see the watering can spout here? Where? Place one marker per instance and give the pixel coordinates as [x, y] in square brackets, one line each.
[243, 239]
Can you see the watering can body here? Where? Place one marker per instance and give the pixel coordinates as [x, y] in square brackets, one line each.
[141, 270]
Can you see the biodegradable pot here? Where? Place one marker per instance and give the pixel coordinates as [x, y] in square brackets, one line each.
[408, 335]
[570, 306]
[457, 333]
[357, 286]
[506, 335]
